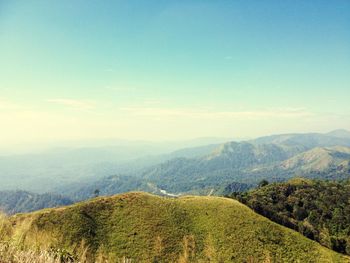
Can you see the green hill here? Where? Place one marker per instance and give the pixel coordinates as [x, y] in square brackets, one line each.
[148, 228]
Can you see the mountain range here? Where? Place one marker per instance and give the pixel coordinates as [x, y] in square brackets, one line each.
[205, 169]
[274, 158]
[43, 171]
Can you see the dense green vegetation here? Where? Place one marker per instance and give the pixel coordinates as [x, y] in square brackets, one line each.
[147, 228]
[320, 210]
[12, 202]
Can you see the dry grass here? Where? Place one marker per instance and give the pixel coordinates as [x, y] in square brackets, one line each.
[12, 254]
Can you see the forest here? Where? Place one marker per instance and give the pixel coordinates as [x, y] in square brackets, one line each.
[320, 210]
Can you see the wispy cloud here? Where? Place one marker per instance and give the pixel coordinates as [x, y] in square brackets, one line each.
[210, 114]
[74, 104]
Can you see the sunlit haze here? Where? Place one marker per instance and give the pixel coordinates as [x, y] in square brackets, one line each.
[171, 70]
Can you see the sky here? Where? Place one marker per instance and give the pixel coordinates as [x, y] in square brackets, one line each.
[172, 70]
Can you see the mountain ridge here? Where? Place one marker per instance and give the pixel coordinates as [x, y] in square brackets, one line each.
[246, 162]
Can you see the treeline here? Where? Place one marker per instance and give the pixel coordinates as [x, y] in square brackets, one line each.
[12, 202]
[320, 210]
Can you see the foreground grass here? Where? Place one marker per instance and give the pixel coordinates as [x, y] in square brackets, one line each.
[140, 227]
[12, 254]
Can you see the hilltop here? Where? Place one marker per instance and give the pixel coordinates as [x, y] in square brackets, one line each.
[148, 228]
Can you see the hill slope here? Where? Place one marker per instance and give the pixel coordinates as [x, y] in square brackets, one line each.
[147, 228]
[320, 159]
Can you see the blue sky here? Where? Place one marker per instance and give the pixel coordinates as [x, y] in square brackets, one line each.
[161, 70]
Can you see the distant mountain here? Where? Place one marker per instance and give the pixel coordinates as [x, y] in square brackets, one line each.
[331, 163]
[245, 154]
[305, 141]
[139, 227]
[227, 163]
[139, 165]
[59, 167]
[208, 169]
[12, 202]
[319, 159]
[193, 152]
[43, 172]
[341, 133]
[249, 162]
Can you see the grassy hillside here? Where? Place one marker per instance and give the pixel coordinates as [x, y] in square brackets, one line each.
[147, 228]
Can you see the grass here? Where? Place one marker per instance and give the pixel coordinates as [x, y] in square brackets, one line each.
[139, 227]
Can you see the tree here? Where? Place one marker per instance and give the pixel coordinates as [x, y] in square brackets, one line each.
[97, 192]
[263, 183]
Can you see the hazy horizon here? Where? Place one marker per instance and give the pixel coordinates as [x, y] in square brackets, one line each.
[171, 70]
[167, 145]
